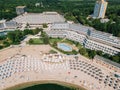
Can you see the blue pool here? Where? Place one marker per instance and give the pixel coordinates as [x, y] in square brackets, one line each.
[64, 47]
[3, 33]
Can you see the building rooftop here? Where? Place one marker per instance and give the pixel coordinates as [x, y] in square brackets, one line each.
[2, 21]
[20, 6]
[8, 25]
[39, 18]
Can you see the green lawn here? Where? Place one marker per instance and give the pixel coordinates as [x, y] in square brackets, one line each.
[37, 41]
[52, 40]
[52, 51]
[62, 40]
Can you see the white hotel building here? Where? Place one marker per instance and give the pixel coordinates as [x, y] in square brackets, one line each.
[100, 9]
[87, 36]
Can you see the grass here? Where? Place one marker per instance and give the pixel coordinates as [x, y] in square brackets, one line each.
[52, 51]
[52, 40]
[37, 41]
[62, 40]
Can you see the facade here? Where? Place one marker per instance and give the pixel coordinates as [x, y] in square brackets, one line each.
[100, 9]
[87, 36]
[2, 24]
[8, 25]
[20, 10]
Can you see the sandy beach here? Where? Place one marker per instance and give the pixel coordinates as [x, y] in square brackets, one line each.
[28, 84]
[30, 65]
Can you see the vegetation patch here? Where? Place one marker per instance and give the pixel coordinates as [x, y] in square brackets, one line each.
[15, 37]
[52, 51]
[36, 41]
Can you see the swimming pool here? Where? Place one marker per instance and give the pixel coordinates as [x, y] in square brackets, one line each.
[3, 33]
[64, 47]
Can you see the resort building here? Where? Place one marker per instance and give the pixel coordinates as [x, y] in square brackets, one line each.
[39, 18]
[8, 25]
[87, 36]
[20, 10]
[100, 9]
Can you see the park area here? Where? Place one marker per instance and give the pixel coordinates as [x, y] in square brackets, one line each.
[64, 45]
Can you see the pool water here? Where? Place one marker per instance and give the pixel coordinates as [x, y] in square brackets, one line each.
[3, 33]
[64, 47]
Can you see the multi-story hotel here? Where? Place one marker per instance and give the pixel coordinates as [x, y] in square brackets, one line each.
[8, 25]
[100, 9]
[87, 36]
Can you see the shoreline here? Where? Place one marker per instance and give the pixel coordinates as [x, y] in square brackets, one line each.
[29, 84]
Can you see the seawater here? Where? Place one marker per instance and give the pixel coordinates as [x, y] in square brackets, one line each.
[47, 87]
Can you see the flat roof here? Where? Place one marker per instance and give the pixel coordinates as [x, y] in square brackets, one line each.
[2, 21]
[39, 18]
[20, 6]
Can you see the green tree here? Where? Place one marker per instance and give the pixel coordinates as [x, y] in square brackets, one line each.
[99, 53]
[82, 51]
[74, 52]
[91, 53]
[116, 58]
[6, 43]
[31, 41]
[45, 25]
[46, 40]
[55, 43]
[1, 47]
[11, 36]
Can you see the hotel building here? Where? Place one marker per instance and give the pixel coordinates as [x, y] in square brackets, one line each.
[100, 9]
[87, 36]
[8, 25]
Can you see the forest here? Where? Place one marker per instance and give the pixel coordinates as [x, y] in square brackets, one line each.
[75, 10]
